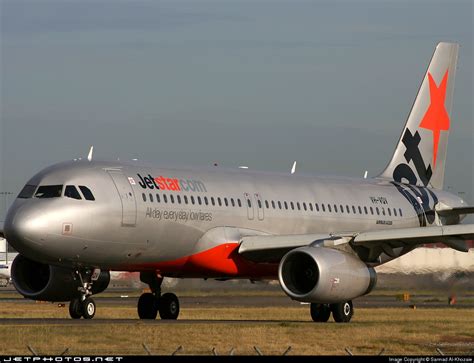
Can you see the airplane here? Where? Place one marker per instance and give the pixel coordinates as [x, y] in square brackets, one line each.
[320, 236]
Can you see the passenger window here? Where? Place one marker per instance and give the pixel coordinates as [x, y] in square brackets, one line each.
[178, 198]
[317, 207]
[371, 210]
[225, 202]
[360, 209]
[273, 204]
[239, 203]
[348, 210]
[310, 206]
[205, 201]
[365, 210]
[267, 204]
[172, 198]
[341, 208]
[259, 202]
[151, 197]
[389, 212]
[232, 202]
[329, 208]
[199, 200]
[27, 191]
[144, 197]
[213, 201]
[383, 211]
[323, 207]
[298, 205]
[165, 198]
[335, 208]
[71, 192]
[400, 210]
[292, 206]
[157, 198]
[219, 201]
[49, 191]
[394, 212]
[354, 210]
[377, 210]
[192, 199]
[279, 204]
[249, 204]
[286, 204]
[86, 192]
[304, 205]
[185, 199]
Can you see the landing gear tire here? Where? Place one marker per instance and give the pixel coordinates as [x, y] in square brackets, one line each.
[342, 312]
[147, 306]
[320, 313]
[88, 308]
[75, 309]
[169, 306]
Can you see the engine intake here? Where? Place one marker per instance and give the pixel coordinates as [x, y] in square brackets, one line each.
[38, 281]
[324, 275]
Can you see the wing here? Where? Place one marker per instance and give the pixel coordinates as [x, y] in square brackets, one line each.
[446, 211]
[273, 248]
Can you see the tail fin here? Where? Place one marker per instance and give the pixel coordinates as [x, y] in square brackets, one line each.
[420, 155]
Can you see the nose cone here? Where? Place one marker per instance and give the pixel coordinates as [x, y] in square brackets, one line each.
[25, 229]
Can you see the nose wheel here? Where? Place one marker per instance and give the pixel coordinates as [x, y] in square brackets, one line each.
[82, 309]
[84, 306]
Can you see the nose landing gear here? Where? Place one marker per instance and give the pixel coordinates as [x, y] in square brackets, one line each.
[149, 304]
[84, 305]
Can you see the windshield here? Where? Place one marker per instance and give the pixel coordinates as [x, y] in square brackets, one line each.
[49, 191]
[71, 192]
[27, 191]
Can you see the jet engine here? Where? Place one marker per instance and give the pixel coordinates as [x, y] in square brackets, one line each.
[324, 275]
[38, 281]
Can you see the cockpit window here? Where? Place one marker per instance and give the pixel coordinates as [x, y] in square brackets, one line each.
[27, 191]
[86, 192]
[71, 192]
[49, 191]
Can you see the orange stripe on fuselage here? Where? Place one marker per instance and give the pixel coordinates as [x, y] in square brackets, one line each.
[220, 261]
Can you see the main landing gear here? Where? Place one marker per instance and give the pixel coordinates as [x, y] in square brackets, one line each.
[84, 305]
[341, 312]
[150, 303]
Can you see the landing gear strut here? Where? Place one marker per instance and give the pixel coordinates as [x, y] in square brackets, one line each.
[150, 303]
[84, 305]
[341, 312]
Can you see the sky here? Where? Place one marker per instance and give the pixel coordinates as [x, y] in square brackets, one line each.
[256, 83]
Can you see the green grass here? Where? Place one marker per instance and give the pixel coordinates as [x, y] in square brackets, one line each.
[398, 330]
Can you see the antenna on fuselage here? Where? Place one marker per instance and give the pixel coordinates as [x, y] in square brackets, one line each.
[91, 151]
[293, 168]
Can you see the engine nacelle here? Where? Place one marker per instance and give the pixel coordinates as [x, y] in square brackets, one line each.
[38, 281]
[324, 275]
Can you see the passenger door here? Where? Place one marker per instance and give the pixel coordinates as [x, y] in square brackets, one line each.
[127, 197]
